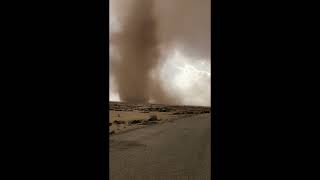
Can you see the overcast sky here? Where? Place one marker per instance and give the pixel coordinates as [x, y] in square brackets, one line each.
[188, 77]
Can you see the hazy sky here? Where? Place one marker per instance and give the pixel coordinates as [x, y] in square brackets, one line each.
[187, 76]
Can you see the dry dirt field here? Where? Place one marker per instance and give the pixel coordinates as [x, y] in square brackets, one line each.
[127, 116]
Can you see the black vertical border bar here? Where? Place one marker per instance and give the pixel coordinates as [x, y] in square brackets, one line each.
[217, 151]
[102, 23]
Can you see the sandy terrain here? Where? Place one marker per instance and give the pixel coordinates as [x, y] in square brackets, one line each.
[124, 116]
[179, 149]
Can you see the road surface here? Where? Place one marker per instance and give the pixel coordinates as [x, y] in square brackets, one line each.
[174, 150]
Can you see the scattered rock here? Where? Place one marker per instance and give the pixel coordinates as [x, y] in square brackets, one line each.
[110, 124]
[153, 118]
[134, 122]
[119, 122]
[112, 132]
[149, 123]
[164, 110]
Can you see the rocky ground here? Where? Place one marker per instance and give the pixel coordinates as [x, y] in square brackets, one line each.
[128, 116]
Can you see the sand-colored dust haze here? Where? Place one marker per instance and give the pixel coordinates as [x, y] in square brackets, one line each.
[150, 30]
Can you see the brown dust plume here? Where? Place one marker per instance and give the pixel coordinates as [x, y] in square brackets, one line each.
[150, 30]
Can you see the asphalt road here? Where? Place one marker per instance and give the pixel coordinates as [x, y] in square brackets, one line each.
[175, 150]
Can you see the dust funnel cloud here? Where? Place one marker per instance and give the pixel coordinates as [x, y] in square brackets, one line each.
[148, 32]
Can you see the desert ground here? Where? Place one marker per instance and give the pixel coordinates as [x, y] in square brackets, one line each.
[150, 141]
[128, 116]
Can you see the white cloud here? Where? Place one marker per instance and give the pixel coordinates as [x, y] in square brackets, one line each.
[190, 79]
